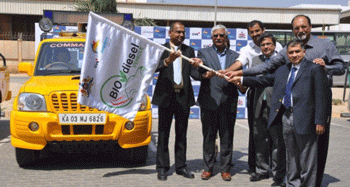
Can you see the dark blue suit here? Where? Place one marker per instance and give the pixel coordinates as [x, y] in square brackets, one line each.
[310, 93]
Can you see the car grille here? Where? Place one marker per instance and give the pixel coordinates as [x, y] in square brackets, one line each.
[82, 129]
[68, 101]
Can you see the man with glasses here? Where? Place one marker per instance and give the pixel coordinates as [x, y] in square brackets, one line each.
[218, 103]
[320, 51]
[269, 145]
[299, 104]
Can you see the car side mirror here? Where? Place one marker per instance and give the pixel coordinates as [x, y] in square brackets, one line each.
[26, 67]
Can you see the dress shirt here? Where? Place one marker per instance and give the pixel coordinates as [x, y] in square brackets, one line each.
[247, 53]
[222, 57]
[267, 59]
[177, 69]
[295, 75]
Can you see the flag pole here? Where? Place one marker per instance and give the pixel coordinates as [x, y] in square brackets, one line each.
[200, 65]
[165, 48]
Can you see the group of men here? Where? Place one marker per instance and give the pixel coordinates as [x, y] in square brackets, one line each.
[289, 102]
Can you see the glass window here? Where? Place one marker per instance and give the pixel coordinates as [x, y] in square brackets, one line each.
[60, 57]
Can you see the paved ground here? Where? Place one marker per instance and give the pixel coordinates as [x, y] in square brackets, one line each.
[105, 170]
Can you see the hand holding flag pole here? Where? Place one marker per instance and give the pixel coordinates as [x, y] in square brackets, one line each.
[200, 65]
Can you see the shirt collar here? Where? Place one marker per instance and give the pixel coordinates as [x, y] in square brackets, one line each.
[252, 44]
[311, 42]
[274, 54]
[217, 51]
[297, 66]
[173, 45]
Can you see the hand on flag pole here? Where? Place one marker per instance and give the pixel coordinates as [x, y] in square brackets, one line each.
[198, 63]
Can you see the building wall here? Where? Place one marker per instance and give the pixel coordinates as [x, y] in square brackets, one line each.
[17, 51]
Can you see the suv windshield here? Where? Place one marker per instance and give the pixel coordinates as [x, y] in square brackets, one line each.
[60, 58]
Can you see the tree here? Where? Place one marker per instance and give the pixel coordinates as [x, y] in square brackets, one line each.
[144, 22]
[105, 6]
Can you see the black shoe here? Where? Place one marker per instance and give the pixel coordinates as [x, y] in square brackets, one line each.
[251, 171]
[162, 176]
[185, 172]
[258, 177]
[279, 183]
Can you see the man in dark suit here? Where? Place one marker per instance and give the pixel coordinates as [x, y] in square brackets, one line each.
[269, 141]
[320, 51]
[218, 103]
[174, 96]
[300, 103]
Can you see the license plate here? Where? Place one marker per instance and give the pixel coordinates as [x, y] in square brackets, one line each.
[82, 118]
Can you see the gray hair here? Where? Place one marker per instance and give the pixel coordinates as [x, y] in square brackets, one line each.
[218, 27]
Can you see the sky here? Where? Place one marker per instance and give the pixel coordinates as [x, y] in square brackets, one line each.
[253, 3]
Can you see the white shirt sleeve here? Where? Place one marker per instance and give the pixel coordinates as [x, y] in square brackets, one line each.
[243, 56]
[278, 47]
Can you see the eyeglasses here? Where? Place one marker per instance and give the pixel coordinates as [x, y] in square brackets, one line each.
[216, 35]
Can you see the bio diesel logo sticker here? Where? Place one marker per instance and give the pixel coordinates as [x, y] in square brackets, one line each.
[118, 90]
[86, 86]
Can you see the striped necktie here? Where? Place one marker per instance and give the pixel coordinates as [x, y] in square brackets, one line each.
[288, 92]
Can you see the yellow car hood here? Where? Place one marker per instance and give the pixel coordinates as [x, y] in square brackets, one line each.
[46, 84]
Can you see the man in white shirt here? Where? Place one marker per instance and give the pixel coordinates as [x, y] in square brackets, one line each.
[255, 30]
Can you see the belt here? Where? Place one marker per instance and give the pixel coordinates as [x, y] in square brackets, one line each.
[290, 109]
[177, 90]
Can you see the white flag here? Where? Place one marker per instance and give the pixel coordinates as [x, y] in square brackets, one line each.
[117, 69]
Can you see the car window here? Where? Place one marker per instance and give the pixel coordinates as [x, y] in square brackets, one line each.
[60, 58]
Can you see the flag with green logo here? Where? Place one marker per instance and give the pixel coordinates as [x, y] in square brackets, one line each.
[117, 69]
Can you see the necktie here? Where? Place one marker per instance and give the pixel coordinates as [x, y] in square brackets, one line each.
[288, 92]
[266, 61]
[177, 69]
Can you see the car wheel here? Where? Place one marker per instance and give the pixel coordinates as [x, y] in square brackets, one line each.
[26, 157]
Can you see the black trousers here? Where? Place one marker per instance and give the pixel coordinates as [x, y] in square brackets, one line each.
[323, 142]
[251, 145]
[221, 120]
[165, 115]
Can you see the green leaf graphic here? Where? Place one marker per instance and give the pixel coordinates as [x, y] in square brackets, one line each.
[123, 76]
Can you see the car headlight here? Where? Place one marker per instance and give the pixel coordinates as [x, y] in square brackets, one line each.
[143, 105]
[31, 102]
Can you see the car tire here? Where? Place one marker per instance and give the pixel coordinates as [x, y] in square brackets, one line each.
[26, 157]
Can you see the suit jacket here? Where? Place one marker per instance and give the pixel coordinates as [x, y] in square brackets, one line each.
[260, 93]
[309, 92]
[165, 84]
[217, 91]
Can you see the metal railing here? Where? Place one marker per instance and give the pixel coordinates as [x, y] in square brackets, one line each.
[25, 36]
